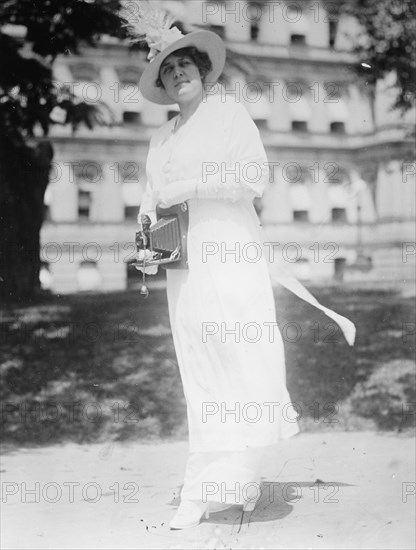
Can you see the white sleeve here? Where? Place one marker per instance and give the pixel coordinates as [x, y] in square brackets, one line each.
[244, 175]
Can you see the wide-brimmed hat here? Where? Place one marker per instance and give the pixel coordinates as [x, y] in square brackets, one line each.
[167, 42]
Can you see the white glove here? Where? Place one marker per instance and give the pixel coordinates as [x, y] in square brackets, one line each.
[146, 254]
[182, 190]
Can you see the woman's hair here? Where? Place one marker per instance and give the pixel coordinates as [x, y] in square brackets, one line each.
[200, 59]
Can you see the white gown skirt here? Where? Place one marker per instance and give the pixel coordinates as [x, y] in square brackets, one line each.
[229, 350]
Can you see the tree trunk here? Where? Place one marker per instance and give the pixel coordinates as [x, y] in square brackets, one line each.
[24, 176]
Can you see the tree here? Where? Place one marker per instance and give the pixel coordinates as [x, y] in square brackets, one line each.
[32, 35]
[387, 42]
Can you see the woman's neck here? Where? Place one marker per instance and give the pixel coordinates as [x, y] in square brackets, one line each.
[188, 108]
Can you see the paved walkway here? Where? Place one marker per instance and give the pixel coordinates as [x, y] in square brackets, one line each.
[122, 496]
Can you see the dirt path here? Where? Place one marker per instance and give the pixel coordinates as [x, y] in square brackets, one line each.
[123, 496]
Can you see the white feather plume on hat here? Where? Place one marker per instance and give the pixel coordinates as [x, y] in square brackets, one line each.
[150, 24]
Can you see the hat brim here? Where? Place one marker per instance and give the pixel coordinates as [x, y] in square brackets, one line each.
[205, 41]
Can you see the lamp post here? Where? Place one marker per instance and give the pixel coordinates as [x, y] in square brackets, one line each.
[358, 185]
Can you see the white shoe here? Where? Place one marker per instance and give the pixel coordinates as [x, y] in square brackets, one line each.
[189, 514]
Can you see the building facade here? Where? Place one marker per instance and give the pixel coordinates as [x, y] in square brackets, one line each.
[341, 161]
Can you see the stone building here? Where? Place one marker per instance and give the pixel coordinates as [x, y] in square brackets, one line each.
[342, 163]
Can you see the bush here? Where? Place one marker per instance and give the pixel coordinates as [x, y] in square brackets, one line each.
[388, 395]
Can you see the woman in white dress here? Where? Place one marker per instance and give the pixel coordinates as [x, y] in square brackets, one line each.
[222, 310]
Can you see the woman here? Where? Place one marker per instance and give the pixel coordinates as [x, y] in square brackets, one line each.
[222, 312]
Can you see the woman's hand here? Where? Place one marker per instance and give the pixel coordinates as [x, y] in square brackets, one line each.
[145, 254]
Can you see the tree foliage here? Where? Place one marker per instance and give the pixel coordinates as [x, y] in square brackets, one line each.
[387, 43]
[32, 35]
[48, 28]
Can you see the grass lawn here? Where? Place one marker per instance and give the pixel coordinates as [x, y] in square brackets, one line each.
[95, 367]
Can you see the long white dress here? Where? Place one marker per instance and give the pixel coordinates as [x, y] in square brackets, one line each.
[222, 310]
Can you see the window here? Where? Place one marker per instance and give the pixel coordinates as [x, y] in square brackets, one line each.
[299, 126]
[300, 216]
[339, 215]
[131, 118]
[84, 204]
[130, 213]
[254, 31]
[255, 11]
[333, 25]
[298, 39]
[337, 128]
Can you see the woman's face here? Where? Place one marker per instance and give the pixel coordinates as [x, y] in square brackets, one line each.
[180, 77]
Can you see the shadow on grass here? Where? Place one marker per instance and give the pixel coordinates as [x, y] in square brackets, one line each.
[91, 367]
